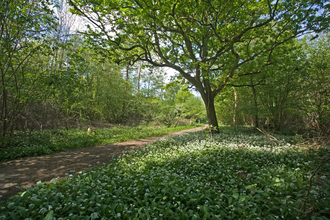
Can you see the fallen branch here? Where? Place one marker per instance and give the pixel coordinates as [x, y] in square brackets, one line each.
[272, 138]
[269, 136]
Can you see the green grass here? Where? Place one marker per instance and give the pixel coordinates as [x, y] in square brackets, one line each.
[190, 176]
[41, 143]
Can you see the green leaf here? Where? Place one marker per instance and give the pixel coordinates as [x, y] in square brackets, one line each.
[39, 183]
[49, 215]
[236, 195]
[242, 198]
[250, 186]
[23, 193]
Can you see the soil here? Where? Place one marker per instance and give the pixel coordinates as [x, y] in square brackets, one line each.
[26, 172]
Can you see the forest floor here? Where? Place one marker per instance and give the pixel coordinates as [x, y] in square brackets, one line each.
[26, 172]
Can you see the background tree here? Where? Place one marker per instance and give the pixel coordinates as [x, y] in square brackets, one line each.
[291, 95]
[189, 106]
[24, 34]
[317, 84]
[270, 99]
[205, 41]
[281, 96]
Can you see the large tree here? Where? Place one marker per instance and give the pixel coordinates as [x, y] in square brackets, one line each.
[205, 41]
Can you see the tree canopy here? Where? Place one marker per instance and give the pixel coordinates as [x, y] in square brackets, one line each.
[207, 42]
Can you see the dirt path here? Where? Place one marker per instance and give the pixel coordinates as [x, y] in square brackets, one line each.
[28, 171]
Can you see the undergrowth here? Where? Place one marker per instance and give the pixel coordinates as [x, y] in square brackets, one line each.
[233, 175]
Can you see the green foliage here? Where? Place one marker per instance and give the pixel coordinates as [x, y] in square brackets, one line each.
[225, 103]
[37, 143]
[207, 42]
[187, 177]
[194, 109]
[89, 87]
[183, 95]
[93, 88]
[317, 83]
[25, 40]
[188, 106]
[292, 95]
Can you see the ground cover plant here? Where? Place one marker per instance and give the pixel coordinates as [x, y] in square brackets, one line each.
[237, 174]
[37, 143]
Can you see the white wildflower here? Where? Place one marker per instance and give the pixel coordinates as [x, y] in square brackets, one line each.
[94, 215]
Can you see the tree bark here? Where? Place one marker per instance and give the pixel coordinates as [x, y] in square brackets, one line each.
[4, 115]
[208, 99]
[139, 77]
[235, 107]
[212, 117]
[125, 103]
[256, 124]
[127, 77]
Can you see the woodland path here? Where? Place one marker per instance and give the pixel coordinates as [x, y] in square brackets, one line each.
[26, 172]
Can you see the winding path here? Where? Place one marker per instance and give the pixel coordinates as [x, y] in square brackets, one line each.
[26, 172]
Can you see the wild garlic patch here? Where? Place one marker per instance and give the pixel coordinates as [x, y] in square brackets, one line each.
[190, 176]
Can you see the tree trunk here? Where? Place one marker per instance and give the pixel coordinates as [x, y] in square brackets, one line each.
[212, 117]
[125, 103]
[256, 124]
[127, 77]
[139, 78]
[235, 108]
[208, 99]
[4, 115]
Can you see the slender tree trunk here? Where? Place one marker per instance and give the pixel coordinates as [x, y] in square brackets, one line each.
[4, 115]
[125, 104]
[235, 107]
[256, 123]
[127, 77]
[139, 77]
